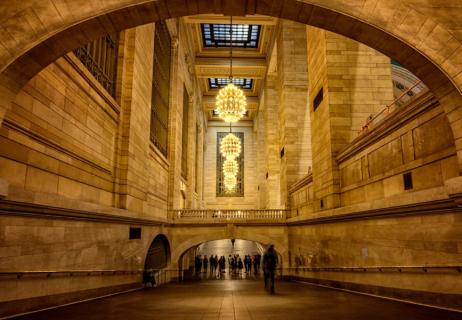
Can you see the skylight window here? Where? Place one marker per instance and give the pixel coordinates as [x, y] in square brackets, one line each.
[218, 35]
[218, 83]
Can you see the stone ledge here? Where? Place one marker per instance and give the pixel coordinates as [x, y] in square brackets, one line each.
[13, 208]
[393, 121]
[4, 187]
[424, 208]
[454, 189]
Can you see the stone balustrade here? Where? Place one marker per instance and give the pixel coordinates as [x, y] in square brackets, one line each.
[227, 216]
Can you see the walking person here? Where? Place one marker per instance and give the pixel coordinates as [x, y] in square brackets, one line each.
[240, 265]
[270, 261]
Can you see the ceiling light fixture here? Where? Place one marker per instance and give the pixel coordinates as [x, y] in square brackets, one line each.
[231, 103]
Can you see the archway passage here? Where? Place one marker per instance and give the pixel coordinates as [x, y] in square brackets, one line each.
[158, 255]
[242, 260]
[435, 62]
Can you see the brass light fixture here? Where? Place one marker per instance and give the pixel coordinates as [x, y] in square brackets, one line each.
[231, 103]
[230, 146]
[231, 106]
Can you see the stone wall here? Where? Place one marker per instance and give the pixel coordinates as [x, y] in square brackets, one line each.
[418, 241]
[293, 111]
[356, 82]
[54, 244]
[81, 170]
[59, 140]
[424, 148]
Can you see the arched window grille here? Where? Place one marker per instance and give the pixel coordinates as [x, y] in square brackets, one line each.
[100, 58]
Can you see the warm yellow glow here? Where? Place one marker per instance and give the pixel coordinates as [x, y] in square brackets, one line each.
[230, 183]
[231, 103]
[230, 146]
[230, 167]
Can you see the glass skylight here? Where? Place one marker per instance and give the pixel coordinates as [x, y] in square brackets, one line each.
[218, 35]
[218, 83]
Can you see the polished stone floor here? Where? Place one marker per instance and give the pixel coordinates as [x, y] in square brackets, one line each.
[242, 299]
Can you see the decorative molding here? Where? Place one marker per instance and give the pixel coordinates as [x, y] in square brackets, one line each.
[50, 144]
[394, 120]
[30, 210]
[306, 180]
[417, 209]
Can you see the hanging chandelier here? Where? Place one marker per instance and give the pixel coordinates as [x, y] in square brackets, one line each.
[230, 167]
[230, 146]
[231, 103]
[230, 183]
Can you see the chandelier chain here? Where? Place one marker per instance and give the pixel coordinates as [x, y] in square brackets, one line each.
[231, 49]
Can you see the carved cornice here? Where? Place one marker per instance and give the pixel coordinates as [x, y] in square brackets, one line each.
[29, 210]
[301, 183]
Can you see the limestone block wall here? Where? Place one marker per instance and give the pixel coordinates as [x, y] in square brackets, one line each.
[59, 139]
[423, 147]
[69, 149]
[301, 197]
[293, 111]
[356, 82]
[210, 166]
[34, 244]
[269, 162]
[134, 131]
[422, 240]
[182, 190]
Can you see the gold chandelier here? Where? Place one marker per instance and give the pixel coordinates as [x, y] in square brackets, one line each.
[231, 103]
[230, 183]
[230, 167]
[230, 146]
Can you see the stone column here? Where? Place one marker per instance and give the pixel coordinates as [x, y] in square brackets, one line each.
[134, 126]
[174, 135]
[294, 115]
[356, 82]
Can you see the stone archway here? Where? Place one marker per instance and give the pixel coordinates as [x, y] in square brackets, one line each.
[422, 43]
[158, 254]
[182, 247]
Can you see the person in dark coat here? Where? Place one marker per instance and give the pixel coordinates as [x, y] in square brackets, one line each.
[270, 262]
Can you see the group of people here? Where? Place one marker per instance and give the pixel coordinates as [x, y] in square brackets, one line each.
[236, 264]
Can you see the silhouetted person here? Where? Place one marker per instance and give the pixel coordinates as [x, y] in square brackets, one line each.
[205, 263]
[270, 261]
[198, 264]
[232, 241]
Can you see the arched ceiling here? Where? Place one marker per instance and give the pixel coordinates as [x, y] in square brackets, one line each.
[422, 35]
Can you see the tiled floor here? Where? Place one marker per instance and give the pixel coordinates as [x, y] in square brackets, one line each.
[242, 299]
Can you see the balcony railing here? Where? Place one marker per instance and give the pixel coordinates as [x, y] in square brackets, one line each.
[415, 91]
[227, 216]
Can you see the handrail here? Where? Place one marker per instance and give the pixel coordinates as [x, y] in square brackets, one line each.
[386, 110]
[71, 273]
[457, 268]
